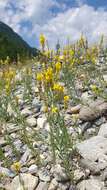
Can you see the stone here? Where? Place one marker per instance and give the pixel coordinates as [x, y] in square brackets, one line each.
[26, 112]
[85, 126]
[105, 78]
[86, 98]
[2, 141]
[63, 186]
[44, 175]
[94, 150]
[78, 175]
[74, 110]
[30, 182]
[90, 184]
[42, 186]
[31, 122]
[92, 166]
[42, 123]
[100, 121]
[6, 172]
[25, 156]
[103, 130]
[59, 173]
[93, 111]
[36, 104]
[53, 185]
[33, 169]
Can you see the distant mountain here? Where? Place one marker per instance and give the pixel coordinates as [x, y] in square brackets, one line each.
[12, 45]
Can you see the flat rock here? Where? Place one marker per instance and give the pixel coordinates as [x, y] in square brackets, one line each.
[93, 111]
[53, 185]
[78, 175]
[74, 110]
[103, 130]
[42, 123]
[94, 150]
[26, 112]
[44, 175]
[90, 184]
[33, 169]
[6, 172]
[30, 182]
[31, 121]
[42, 186]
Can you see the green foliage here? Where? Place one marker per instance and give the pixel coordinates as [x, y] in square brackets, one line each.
[12, 45]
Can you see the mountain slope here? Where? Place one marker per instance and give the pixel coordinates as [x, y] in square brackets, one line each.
[11, 44]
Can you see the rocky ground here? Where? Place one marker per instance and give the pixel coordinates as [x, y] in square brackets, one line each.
[91, 164]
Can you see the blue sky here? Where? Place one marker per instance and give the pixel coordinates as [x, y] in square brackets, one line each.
[57, 19]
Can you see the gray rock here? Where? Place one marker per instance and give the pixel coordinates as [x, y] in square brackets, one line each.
[92, 166]
[85, 126]
[53, 185]
[63, 186]
[103, 130]
[42, 186]
[59, 173]
[42, 123]
[100, 121]
[74, 110]
[104, 175]
[26, 112]
[86, 98]
[2, 142]
[31, 121]
[30, 182]
[94, 150]
[90, 184]
[33, 169]
[25, 156]
[93, 111]
[78, 175]
[6, 172]
[105, 78]
[44, 175]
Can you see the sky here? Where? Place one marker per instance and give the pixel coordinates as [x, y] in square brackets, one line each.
[56, 19]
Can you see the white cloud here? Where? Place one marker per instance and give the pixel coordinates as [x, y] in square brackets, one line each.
[73, 22]
[68, 23]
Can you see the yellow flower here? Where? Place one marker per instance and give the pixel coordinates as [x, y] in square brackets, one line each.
[94, 88]
[16, 166]
[39, 76]
[66, 99]
[58, 87]
[42, 40]
[48, 74]
[54, 109]
[58, 66]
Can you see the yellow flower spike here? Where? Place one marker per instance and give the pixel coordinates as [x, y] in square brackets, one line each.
[42, 40]
[58, 66]
[57, 87]
[16, 166]
[48, 74]
[39, 77]
[94, 88]
[54, 109]
[66, 98]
